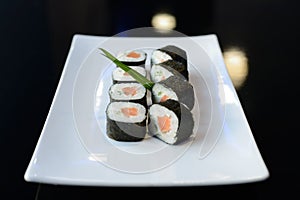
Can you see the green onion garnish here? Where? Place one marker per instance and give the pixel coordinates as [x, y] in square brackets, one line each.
[137, 76]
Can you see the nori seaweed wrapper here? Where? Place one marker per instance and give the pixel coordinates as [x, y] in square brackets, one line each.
[185, 120]
[176, 53]
[172, 65]
[142, 101]
[183, 89]
[141, 63]
[128, 132]
[115, 81]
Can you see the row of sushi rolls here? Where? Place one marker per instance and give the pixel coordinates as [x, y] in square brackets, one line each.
[167, 117]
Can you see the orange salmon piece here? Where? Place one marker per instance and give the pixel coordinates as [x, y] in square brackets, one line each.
[164, 98]
[133, 55]
[129, 91]
[164, 123]
[129, 112]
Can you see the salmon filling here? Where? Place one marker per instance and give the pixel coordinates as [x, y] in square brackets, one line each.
[164, 98]
[129, 112]
[129, 91]
[164, 123]
[133, 54]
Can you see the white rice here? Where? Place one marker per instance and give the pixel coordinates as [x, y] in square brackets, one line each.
[117, 93]
[159, 57]
[158, 91]
[159, 73]
[120, 75]
[114, 112]
[122, 56]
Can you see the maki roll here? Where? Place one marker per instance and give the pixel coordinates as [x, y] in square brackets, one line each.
[170, 121]
[166, 69]
[126, 121]
[169, 117]
[174, 88]
[169, 52]
[133, 92]
[119, 75]
[132, 57]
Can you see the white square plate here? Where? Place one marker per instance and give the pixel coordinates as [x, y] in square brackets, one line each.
[73, 148]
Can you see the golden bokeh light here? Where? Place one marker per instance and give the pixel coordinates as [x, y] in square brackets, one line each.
[236, 62]
[163, 21]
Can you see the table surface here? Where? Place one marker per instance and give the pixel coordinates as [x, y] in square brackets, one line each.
[262, 35]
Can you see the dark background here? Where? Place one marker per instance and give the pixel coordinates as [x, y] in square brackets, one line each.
[35, 39]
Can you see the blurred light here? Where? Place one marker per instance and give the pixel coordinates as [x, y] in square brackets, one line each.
[163, 21]
[236, 62]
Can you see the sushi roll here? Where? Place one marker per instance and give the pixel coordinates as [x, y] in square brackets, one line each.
[126, 121]
[162, 71]
[119, 75]
[133, 92]
[132, 57]
[169, 52]
[174, 88]
[170, 121]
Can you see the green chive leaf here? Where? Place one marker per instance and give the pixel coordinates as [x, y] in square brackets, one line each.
[137, 76]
